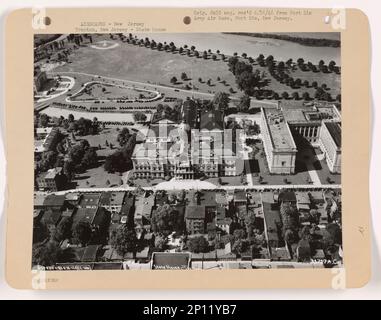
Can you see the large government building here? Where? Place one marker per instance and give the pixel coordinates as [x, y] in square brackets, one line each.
[283, 129]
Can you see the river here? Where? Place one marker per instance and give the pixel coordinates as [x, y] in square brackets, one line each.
[252, 46]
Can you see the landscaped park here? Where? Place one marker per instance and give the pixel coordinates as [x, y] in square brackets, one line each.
[113, 77]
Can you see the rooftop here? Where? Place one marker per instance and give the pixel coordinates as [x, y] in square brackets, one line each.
[129, 202]
[112, 198]
[52, 173]
[195, 212]
[287, 196]
[295, 115]
[39, 199]
[162, 129]
[144, 205]
[334, 129]
[53, 200]
[272, 220]
[208, 199]
[90, 253]
[170, 260]
[240, 195]
[279, 131]
[90, 200]
[212, 120]
[85, 214]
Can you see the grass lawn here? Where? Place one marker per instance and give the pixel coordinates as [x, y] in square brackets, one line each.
[98, 177]
[108, 134]
[132, 62]
[103, 91]
[128, 61]
[332, 80]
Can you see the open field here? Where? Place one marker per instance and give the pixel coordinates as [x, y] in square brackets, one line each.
[146, 65]
[97, 91]
[154, 67]
[101, 116]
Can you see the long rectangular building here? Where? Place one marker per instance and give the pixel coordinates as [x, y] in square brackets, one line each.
[330, 143]
[278, 142]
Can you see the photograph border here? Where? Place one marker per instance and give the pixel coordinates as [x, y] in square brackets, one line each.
[355, 164]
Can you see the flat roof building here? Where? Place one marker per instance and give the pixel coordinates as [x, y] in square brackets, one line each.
[330, 143]
[279, 145]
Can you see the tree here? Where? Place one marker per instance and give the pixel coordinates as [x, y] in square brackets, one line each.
[82, 233]
[290, 217]
[248, 81]
[300, 61]
[184, 76]
[198, 244]
[173, 80]
[239, 234]
[161, 242]
[285, 95]
[305, 233]
[221, 101]
[46, 254]
[290, 236]
[331, 66]
[306, 96]
[244, 103]
[90, 158]
[124, 240]
[167, 219]
[63, 230]
[69, 169]
[319, 93]
[139, 116]
[241, 66]
[335, 231]
[76, 154]
[240, 246]
[231, 64]
[44, 120]
[269, 60]
[123, 136]
[249, 224]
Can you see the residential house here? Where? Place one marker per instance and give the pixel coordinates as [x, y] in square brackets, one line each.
[143, 211]
[52, 180]
[55, 202]
[195, 219]
[112, 201]
[90, 200]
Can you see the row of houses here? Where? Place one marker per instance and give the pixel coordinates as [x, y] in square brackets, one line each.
[314, 208]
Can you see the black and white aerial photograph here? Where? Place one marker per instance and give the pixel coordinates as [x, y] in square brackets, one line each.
[178, 151]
